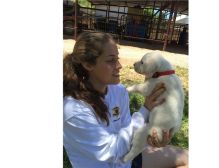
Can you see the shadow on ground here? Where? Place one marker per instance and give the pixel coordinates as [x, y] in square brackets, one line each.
[155, 45]
[148, 44]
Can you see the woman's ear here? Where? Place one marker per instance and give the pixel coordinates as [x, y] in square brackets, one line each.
[87, 66]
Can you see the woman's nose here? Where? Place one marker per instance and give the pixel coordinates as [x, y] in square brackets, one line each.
[118, 65]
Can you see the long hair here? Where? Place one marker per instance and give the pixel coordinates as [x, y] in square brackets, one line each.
[88, 47]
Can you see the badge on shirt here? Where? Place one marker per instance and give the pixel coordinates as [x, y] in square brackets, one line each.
[116, 113]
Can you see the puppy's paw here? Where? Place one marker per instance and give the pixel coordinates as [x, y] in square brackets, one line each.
[158, 132]
[130, 89]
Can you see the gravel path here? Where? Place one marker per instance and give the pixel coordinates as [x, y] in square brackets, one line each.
[128, 54]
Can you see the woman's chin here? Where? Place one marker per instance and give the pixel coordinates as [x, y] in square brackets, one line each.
[116, 80]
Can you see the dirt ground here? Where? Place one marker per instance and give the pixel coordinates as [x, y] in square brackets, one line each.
[130, 51]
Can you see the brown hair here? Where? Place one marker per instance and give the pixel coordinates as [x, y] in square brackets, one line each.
[88, 47]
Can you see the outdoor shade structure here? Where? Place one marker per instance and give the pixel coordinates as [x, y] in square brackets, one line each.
[131, 19]
[184, 21]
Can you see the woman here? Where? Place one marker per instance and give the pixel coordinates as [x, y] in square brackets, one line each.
[98, 127]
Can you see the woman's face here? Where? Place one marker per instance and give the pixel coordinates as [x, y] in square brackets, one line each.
[107, 67]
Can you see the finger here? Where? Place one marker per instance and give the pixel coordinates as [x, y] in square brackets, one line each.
[155, 140]
[166, 139]
[171, 133]
[158, 102]
[156, 143]
[154, 133]
[156, 94]
[165, 136]
[158, 85]
[149, 140]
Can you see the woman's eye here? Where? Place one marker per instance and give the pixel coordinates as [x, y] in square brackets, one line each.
[112, 61]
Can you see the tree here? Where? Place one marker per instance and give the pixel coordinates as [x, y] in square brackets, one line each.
[84, 3]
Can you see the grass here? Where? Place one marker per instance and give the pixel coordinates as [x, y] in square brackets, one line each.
[84, 3]
[130, 77]
[66, 162]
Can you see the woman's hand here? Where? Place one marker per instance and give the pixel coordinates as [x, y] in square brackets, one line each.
[155, 142]
[151, 100]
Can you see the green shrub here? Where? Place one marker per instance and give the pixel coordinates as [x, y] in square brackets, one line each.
[186, 105]
[180, 139]
[136, 100]
[66, 162]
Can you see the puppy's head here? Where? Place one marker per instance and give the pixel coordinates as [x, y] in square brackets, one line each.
[150, 63]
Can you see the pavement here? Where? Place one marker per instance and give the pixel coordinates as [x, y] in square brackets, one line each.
[129, 54]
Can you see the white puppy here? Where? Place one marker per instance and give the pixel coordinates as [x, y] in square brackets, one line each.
[168, 115]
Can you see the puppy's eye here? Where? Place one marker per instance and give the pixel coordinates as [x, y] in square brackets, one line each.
[142, 62]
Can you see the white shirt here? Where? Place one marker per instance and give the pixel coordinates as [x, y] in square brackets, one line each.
[90, 142]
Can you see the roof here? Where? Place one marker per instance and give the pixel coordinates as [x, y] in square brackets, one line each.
[184, 20]
[182, 4]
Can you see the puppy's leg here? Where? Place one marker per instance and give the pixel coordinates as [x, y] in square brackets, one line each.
[138, 144]
[140, 88]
